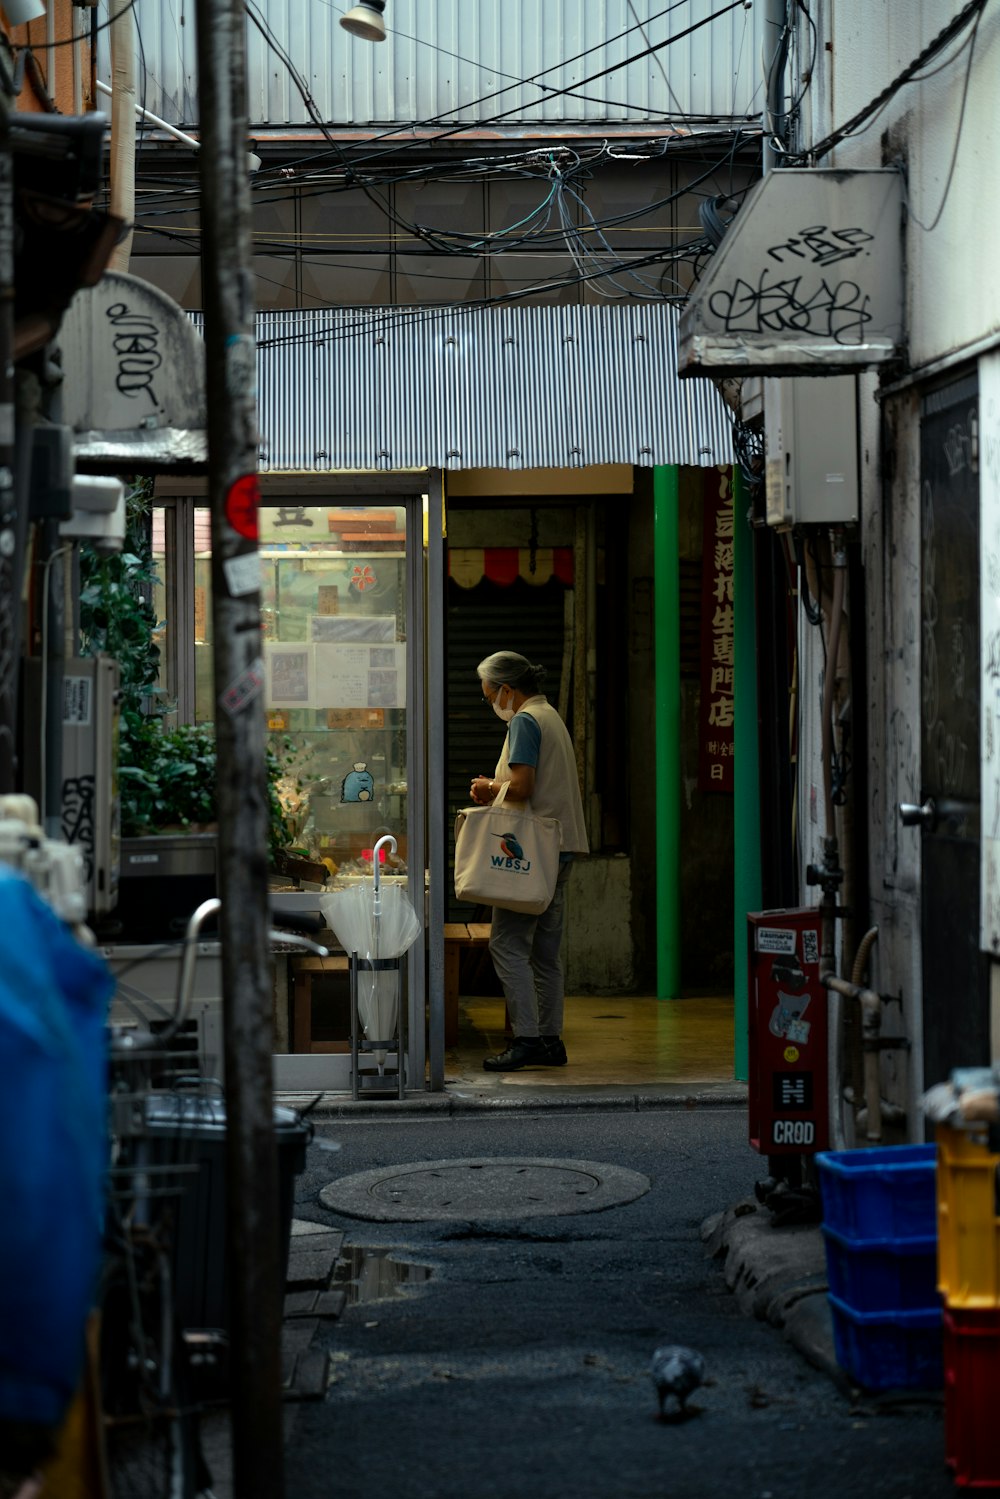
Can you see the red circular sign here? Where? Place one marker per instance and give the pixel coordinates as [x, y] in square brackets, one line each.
[242, 502]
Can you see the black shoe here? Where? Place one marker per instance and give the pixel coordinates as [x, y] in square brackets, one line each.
[555, 1051]
[523, 1051]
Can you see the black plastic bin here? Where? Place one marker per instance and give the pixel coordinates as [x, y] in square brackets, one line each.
[189, 1130]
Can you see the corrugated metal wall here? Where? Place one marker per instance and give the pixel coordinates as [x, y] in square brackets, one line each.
[485, 387]
[467, 59]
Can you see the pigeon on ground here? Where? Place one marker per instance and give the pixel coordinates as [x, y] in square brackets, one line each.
[676, 1371]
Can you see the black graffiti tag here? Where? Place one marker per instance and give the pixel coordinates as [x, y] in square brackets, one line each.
[840, 311]
[822, 246]
[136, 340]
[78, 818]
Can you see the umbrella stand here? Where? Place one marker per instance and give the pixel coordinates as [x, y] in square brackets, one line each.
[375, 966]
[375, 933]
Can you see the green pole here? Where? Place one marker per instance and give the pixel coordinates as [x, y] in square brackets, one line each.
[746, 782]
[667, 626]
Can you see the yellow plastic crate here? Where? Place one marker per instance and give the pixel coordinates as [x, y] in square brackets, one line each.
[968, 1225]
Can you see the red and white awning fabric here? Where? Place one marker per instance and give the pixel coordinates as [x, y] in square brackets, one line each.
[504, 565]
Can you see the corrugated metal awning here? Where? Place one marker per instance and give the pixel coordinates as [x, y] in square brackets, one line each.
[481, 387]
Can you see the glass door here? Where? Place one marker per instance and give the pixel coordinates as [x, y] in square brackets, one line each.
[342, 600]
[337, 623]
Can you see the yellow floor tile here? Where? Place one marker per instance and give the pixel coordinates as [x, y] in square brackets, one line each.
[618, 1040]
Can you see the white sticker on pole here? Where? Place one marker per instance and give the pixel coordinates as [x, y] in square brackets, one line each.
[242, 574]
[248, 685]
[776, 939]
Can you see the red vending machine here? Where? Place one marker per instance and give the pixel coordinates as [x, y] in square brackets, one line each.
[788, 1103]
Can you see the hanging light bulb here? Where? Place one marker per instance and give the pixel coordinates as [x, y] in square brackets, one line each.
[365, 20]
[20, 11]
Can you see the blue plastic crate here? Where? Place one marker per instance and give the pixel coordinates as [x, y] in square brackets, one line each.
[890, 1350]
[888, 1193]
[882, 1275]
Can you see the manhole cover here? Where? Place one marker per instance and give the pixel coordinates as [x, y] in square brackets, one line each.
[495, 1187]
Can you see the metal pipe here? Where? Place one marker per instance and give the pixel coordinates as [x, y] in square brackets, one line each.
[147, 114]
[437, 847]
[830, 682]
[861, 956]
[666, 606]
[775, 19]
[123, 103]
[75, 57]
[871, 1029]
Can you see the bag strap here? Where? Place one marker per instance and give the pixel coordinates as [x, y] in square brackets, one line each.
[501, 797]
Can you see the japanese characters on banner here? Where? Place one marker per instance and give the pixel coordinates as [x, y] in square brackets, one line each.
[989, 605]
[715, 717]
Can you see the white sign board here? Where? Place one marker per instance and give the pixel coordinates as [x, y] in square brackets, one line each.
[989, 615]
[807, 281]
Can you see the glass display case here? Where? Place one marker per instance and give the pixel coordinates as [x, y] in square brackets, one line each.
[333, 620]
[342, 601]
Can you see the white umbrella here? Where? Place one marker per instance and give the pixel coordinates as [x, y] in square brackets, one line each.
[374, 921]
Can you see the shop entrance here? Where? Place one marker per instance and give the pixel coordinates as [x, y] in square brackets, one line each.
[342, 600]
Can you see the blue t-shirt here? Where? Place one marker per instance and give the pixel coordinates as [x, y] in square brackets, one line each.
[525, 738]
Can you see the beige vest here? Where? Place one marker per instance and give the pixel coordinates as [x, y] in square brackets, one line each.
[557, 786]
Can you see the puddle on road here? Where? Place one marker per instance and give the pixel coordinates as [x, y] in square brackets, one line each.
[376, 1275]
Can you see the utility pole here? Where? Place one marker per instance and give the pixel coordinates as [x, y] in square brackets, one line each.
[252, 1214]
[10, 578]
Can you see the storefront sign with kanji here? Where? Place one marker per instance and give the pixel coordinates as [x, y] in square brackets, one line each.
[715, 718]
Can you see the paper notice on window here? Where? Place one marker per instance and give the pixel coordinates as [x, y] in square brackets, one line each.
[289, 675]
[354, 629]
[360, 676]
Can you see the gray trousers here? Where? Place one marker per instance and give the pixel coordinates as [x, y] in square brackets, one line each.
[525, 953]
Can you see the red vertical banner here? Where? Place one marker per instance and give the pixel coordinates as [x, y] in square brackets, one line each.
[715, 714]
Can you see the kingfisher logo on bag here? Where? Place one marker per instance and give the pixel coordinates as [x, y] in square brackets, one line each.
[512, 856]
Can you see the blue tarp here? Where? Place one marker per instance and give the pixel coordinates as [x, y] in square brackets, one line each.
[54, 994]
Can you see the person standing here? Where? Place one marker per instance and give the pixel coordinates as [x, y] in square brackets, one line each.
[539, 765]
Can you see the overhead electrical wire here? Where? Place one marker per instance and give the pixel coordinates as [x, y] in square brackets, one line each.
[557, 93]
[533, 80]
[71, 41]
[956, 25]
[929, 228]
[536, 229]
[520, 82]
[389, 316]
[351, 164]
[457, 243]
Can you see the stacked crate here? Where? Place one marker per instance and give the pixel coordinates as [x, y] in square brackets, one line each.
[880, 1232]
[969, 1277]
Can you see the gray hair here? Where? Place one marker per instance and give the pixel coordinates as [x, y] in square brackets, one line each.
[507, 667]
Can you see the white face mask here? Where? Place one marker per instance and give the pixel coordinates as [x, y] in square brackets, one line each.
[505, 713]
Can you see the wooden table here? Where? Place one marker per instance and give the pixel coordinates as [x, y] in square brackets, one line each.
[458, 935]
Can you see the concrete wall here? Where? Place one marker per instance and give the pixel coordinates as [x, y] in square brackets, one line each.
[940, 131]
[597, 952]
[953, 292]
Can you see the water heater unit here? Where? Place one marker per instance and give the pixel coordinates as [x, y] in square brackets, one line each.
[811, 448]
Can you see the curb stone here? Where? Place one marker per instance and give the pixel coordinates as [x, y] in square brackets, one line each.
[336, 1106]
[778, 1275]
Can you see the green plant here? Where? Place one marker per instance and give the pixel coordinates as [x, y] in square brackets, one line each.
[166, 774]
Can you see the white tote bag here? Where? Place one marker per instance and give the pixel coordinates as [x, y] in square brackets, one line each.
[506, 856]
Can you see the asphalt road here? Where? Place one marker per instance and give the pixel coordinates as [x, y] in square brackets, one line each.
[520, 1367]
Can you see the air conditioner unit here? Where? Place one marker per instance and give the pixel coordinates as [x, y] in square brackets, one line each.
[811, 450]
